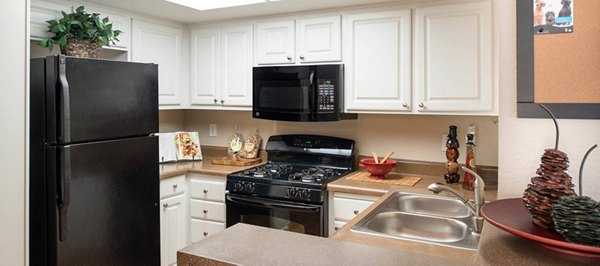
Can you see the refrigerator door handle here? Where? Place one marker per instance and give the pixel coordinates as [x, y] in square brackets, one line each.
[65, 109]
[65, 192]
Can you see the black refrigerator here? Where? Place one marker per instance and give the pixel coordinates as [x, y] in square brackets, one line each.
[94, 176]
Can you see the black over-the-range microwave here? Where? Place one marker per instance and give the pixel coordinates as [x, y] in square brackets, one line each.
[299, 93]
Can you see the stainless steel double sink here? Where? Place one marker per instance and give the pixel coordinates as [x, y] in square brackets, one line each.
[422, 218]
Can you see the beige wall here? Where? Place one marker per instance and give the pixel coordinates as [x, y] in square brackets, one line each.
[13, 66]
[522, 141]
[170, 120]
[414, 137]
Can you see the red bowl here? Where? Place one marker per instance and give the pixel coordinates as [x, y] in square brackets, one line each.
[378, 171]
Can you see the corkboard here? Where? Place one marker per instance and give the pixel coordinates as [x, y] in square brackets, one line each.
[567, 66]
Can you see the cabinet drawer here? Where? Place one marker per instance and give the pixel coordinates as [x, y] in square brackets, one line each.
[207, 210]
[344, 209]
[172, 186]
[208, 190]
[202, 229]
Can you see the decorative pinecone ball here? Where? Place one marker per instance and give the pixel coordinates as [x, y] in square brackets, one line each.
[577, 219]
[551, 183]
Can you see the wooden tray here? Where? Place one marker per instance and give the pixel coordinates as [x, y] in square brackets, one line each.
[511, 216]
[238, 162]
[391, 179]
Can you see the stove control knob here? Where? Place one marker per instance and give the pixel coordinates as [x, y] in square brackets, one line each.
[237, 186]
[304, 194]
[249, 187]
[292, 192]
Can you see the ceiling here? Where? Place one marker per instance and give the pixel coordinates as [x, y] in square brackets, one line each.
[164, 9]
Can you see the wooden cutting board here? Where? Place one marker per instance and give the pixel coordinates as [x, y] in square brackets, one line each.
[238, 162]
[392, 179]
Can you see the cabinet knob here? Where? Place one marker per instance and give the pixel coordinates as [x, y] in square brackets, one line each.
[205, 191]
[356, 212]
[205, 233]
[302, 57]
[222, 101]
[216, 100]
[166, 205]
[174, 185]
[421, 105]
[405, 105]
[289, 58]
[205, 211]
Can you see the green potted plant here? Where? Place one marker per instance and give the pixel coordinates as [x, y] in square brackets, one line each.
[80, 34]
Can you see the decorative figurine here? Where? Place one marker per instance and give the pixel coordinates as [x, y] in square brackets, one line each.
[452, 154]
[550, 184]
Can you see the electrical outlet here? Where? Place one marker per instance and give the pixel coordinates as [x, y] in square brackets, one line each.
[444, 140]
[212, 130]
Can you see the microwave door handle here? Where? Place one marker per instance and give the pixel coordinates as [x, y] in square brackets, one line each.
[268, 204]
[313, 98]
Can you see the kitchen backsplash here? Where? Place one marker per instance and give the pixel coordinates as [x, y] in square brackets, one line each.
[409, 136]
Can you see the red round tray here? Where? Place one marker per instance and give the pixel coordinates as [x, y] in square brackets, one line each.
[511, 216]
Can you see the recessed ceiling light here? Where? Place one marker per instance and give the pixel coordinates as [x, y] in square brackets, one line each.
[214, 4]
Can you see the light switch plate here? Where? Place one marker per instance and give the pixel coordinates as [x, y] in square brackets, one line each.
[212, 130]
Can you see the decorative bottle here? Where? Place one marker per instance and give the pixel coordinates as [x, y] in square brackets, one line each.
[470, 161]
[452, 154]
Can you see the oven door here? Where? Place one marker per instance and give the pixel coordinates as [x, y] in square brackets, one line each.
[277, 214]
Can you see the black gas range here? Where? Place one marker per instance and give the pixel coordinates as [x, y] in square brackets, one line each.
[289, 191]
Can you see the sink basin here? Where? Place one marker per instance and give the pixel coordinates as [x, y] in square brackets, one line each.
[418, 227]
[431, 205]
[422, 218]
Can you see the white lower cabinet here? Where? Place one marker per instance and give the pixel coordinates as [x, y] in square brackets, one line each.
[207, 206]
[173, 227]
[346, 206]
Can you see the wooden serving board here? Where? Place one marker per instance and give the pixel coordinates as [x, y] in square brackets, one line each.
[391, 179]
[238, 162]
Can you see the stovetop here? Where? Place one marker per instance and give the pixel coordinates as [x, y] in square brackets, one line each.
[291, 174]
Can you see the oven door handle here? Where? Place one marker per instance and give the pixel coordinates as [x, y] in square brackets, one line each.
[269, 204]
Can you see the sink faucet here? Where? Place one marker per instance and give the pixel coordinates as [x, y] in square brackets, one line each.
[478, 188]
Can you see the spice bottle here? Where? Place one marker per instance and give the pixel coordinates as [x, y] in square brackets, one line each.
[470, 161]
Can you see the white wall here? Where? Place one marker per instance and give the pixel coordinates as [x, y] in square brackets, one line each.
[414, 137]
[13, 66]
[522, 141]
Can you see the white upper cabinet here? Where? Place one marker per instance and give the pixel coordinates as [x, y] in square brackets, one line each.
[377, 57]
[454, 58]
[275, 42]
[299, 41]
[236, 65]
[319, 39]
[161, 44]
[206, 66]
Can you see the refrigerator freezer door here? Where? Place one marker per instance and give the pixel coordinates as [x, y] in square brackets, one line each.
[101, 99]
[106, 208]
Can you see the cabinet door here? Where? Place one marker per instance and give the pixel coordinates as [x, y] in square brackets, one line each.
[319, 39]
[236, 66]
[173, 233]
[454, 57]
[206, 83]
[160, 44]
[119, 23]
[42, 12]
[377, 55]
[275, 42]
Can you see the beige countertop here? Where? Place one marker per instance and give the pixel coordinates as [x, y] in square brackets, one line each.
[200, 167]
[251, 245]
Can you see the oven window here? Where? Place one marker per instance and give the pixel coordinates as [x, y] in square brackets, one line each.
[283, 215]
[284, 97]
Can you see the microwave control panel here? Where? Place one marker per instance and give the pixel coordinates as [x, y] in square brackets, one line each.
[326, 95]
